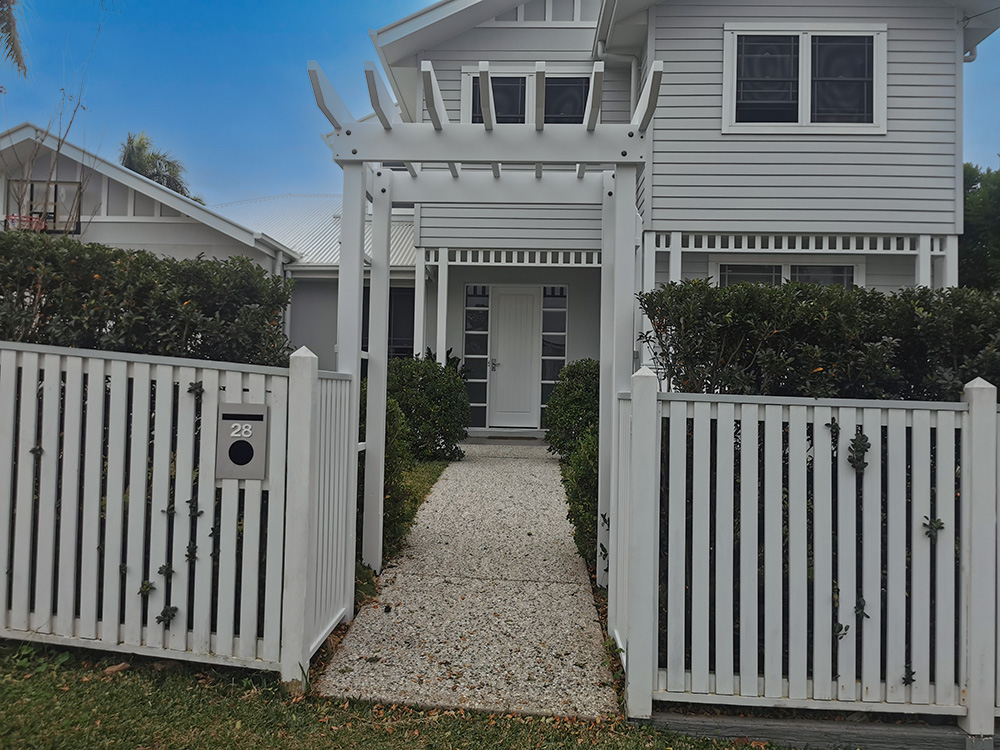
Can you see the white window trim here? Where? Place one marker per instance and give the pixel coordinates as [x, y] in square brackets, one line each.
[786, 262]
[500, 70]
[805, 31]
[547, 23]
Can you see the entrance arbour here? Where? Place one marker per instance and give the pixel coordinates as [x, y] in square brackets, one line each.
[590, 164]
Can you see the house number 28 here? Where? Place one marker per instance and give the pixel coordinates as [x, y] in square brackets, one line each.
[241, 430]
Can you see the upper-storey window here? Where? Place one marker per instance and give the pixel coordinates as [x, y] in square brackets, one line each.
[828, 79]
[565, 97]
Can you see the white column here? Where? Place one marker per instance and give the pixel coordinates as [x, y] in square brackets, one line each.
[979, 558]
[624, 259]
[442, 308]
[349, 301]
[924, 260]
[419, 301]
[675, 255]
[950, 278]
[378, 358]
[299, 554]
[643, 548]
[607, 427]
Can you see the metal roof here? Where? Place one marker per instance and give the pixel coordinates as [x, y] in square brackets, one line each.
[310, 225]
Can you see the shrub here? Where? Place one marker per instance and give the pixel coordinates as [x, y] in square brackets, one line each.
[823, 341]
[399, 506]
[573, 405]
[580, 480]
[435, 403]
[58, 291]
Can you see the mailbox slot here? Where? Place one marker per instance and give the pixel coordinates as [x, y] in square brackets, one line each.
[242, 442]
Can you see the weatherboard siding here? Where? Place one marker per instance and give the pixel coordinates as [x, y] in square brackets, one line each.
[904, 181]
[516, 227]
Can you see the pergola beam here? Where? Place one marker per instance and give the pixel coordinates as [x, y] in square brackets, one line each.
[513, 187]
[593, 111]
[645, 108]
[432, 96]
[512, 143]
[385, 108]
[327, 98]
[486, 96]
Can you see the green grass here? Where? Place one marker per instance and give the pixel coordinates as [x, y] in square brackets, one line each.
[62, 699]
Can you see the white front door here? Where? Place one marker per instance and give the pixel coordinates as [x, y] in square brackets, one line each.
[515, 366]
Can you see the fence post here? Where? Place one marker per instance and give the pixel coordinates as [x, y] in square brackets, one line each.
[299, 549]
[979, 565]
[640, 645]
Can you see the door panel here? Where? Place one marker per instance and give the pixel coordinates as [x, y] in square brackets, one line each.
[515, 347]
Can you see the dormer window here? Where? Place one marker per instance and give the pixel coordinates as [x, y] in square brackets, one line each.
[782, 79]
[508, 98]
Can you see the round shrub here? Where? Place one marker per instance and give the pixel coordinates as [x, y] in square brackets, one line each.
[573, 405]
[435, 403]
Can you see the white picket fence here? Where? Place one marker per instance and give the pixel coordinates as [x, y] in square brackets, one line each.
[116, 534]
[801, 553]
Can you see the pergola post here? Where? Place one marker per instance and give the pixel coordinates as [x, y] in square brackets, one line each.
[349, 311]
[378, 359]
[419, 300]
[442, 307]
[607, 428]
[924, 277]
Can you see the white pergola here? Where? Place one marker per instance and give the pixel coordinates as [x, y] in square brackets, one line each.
[591, 164]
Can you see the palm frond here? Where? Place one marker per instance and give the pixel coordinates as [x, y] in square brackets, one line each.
[9, 38]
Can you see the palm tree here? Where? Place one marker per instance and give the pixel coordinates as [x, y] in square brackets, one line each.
[137, 153]
[9, 37]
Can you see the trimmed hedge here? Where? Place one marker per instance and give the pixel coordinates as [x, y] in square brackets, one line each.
[435, 403]
[573, 405]
[823, 341]
[57, 291]
[580, 481]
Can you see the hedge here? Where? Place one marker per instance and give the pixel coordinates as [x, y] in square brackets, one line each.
[60, 292]
[823, 341]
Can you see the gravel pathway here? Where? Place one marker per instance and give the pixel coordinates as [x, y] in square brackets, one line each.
[490, 607]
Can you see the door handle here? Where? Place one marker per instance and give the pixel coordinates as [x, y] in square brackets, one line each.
[494, 365]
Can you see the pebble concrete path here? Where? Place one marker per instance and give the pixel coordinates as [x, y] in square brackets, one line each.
[490, 608]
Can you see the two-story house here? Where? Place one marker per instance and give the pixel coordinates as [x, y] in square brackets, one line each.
[813, 141]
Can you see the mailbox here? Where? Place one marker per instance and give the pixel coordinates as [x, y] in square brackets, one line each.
[242, 442]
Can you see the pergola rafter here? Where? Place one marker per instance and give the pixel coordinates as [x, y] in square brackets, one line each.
[361, 148]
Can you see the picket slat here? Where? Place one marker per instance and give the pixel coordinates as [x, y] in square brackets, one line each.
[920, 560]
[114, 506]
[676, 556]
[847, 540]
[48, 475]
[724, 543]
[275, 518]
[225, 601]
[70, 501]
[90, 519]
[823, 534]
[8, 429]
[159, 520]
[181, 583]
[136, 582]
[202, 513]
[700, 546]
[773, 552]
[749, 501]
[896, 555]
[798, 567]
[24, 495]
[251, 544]
[945, 688]
[871, 573]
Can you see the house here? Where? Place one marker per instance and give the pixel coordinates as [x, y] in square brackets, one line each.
[817, 141]
[48, 183]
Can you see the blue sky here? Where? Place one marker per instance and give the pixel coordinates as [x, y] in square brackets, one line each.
[223, 85]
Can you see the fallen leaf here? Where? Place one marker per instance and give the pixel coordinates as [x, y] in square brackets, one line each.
[117, 668]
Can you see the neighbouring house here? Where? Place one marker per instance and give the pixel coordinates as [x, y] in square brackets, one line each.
[50, 184]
